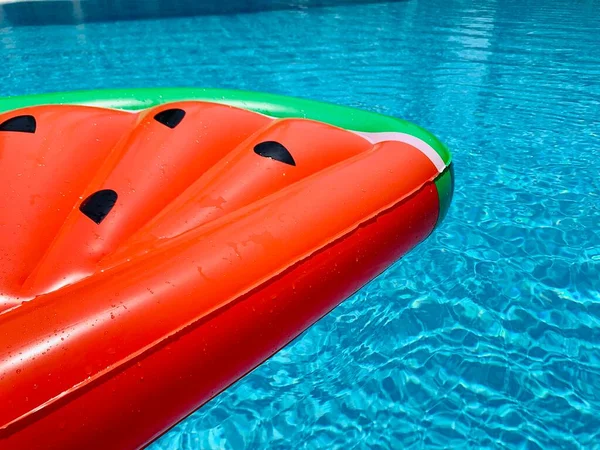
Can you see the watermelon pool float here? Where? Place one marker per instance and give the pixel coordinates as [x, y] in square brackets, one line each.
[156, 245]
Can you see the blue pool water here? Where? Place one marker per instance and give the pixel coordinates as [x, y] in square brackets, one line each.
[488, 334]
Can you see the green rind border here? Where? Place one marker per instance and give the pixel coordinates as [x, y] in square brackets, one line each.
[269, 104]
[445, 189]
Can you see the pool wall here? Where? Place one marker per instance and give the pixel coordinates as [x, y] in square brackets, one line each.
[45, 12]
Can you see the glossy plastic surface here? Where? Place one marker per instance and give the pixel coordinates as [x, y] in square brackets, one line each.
[209, 257]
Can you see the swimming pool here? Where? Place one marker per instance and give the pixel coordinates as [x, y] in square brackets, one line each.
[486, 335]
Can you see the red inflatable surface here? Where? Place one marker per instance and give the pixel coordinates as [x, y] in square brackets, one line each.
[148, 260]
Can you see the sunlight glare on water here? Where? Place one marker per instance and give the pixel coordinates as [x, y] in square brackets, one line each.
[486, 335]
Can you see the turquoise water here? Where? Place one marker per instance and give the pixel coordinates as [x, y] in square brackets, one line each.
[485, 336]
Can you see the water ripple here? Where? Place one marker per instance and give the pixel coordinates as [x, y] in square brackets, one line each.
[485, 336]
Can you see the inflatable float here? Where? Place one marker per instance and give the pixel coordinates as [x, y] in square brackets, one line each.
[157, 245]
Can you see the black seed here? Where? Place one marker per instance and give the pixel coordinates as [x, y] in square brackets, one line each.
[170, 117]
[21, 124]
[98, 205]
[276, 151]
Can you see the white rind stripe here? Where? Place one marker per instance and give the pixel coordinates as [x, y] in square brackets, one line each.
[372, 137]
[422, 146]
